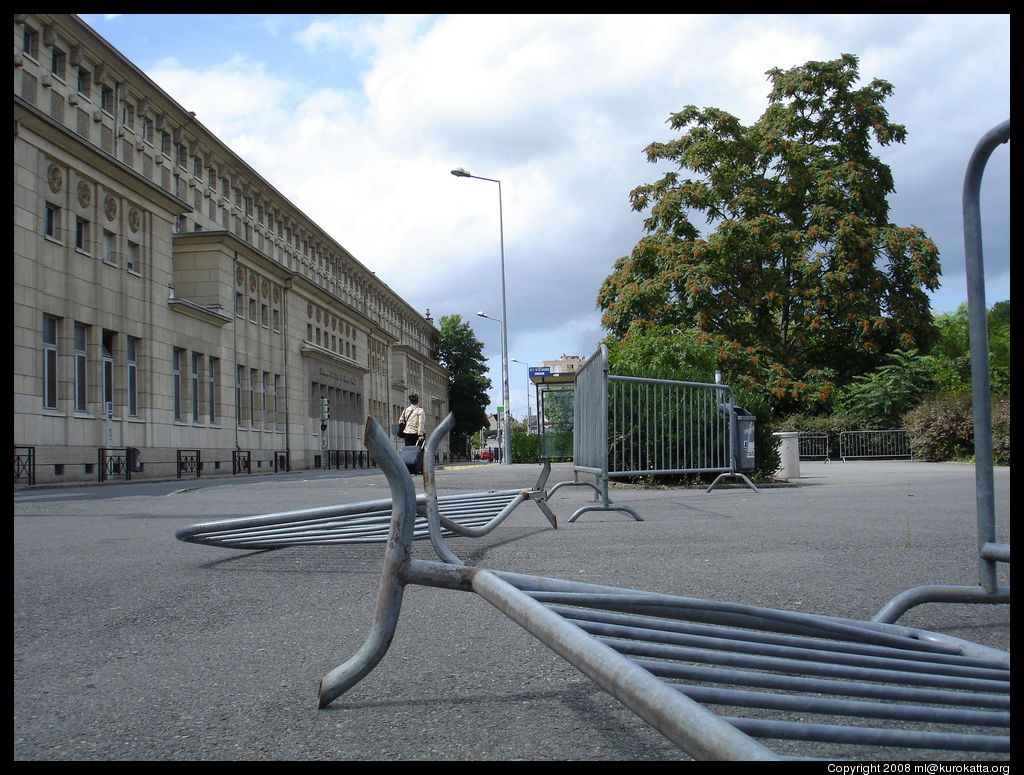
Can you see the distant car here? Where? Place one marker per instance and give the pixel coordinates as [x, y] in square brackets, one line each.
[486, 455]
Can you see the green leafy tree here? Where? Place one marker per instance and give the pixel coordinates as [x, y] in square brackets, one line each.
[803, 276]
[878, 399]
[462, 354]
[952, 350]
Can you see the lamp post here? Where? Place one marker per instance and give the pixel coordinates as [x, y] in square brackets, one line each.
[524, 363]
[461, 173]
[506, 427]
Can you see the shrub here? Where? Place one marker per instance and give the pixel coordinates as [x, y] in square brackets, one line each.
[942, 428]
[525, 448]
[879, 398]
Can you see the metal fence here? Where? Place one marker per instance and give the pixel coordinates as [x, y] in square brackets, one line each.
[113, 462]
[664, 427]
[189, 461]
[862, 445]
[634, 426]
[25, 464]
[814, 446]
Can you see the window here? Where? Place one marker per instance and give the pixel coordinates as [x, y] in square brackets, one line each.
[176, 381]
[277, 402]
[133, 377]
[107, 359]
[254, 376]
[81, 367]
[51, 221]
[276, 318]
[268, 402]
[239, 409]
[128, 115]
[107, 98]
[165, 143]
[58, 63]
[252, 310]
[239, 304]
[50, 328]
[82, 228]
[132, 261]
[196, 358]
[211, 388]
[109, 247]
[147, 130]
[265, 314]
[181, 155]
[30, 42]
[84, 82]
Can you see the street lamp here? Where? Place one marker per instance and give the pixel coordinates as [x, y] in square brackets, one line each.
[506, 426]
[461, 173]
[516, 360]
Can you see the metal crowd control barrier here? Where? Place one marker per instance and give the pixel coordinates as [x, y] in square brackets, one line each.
[861, 445]
[470, 515]
[633, 426]
[794, 676]
[814, 445]
[990, 552]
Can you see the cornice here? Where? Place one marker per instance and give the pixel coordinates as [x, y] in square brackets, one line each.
[28, 116]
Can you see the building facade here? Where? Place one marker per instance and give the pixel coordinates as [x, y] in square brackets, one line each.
[567, 364]
[168, 298]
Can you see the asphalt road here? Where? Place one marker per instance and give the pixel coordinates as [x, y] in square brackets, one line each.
[130, 645]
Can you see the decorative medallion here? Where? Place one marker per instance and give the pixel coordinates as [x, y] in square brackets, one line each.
[84, 193]
[309, 310]
[252, 282]
[319, 315]
[334, 324]
[240, 277]
[134, 219]
[277, 294]
[110, 207]
[55, 177]
[265, 289]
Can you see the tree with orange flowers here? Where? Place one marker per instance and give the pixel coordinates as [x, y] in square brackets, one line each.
[800, 281]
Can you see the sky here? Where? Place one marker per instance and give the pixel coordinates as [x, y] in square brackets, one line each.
[359, 120]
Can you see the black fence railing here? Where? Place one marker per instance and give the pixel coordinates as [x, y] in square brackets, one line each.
[25, 464]
[112, 462]
[189, 461]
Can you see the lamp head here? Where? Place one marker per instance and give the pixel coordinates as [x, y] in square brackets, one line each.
[461, 173]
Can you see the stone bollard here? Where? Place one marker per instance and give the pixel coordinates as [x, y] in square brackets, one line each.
[789, 455]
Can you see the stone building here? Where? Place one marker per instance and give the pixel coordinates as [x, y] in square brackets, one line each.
[168, 298]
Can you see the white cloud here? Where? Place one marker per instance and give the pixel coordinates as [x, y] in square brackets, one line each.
[559, 108]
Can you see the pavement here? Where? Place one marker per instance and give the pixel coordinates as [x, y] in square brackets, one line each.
[131, 645]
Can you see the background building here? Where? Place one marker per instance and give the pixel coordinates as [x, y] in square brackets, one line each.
[567, 364]
[168, 298]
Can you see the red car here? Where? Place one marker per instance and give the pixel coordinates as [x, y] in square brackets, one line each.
[486, 455]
